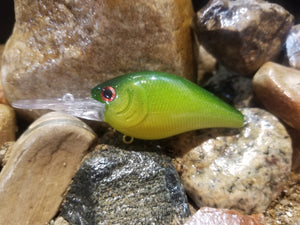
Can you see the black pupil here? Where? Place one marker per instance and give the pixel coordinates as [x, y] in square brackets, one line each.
[107, 93]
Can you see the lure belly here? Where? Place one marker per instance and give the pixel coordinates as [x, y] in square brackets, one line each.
[156, 105]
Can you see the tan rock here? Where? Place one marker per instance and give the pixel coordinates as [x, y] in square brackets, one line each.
[211, 216]
[7, 124]
[2, 98]
[40, 168]
[70, 46]
[277, 87]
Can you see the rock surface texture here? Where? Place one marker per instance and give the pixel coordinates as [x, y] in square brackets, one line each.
[212, 216]
[40, 168]
[226, 168]
[8, 125]
[115, 186]
[60, 47]
[2, 99]
[277, 87]
[293, 47]
[244, 34]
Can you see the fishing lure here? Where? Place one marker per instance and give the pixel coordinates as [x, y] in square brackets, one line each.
[156, 105]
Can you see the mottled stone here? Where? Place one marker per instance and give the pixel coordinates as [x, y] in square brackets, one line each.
[286, 208]
[277, 87]
[211, 216]
[60, 47]
[5, 151]
[243, 34]
[232, 88]
[115, 186]
[8, 125]
[242, 169]
[295, 135]
[293, 47]
[40, 168]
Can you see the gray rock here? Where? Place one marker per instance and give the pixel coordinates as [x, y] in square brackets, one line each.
[115, 186]
[232, 88]
[293, 47]
[243, 34]
[242, 169]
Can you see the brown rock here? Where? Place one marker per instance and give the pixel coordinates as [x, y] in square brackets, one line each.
[40, 168]
[277, 87]
[2, 99]
[293, 47]
[244, 34]
[70, 46]
[7, 124]
[211, 216]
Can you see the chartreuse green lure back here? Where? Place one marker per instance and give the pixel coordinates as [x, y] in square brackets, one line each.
[155, 105]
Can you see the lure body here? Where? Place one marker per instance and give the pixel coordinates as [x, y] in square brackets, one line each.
[155, 105]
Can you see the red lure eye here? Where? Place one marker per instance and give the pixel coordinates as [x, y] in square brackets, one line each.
[108, 94]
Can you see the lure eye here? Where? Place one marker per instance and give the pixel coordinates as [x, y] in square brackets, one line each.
[108, 94]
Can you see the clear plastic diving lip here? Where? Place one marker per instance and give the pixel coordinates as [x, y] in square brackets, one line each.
[86, 108]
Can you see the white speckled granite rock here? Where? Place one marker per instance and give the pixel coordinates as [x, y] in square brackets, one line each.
[242, 169]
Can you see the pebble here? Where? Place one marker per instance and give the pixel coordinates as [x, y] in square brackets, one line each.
[277, 87]
[212, 216]
[8, 125]
[292, 46]
[72, 46]
[233, 88]
[241, 169]
[244, 34]
[40, 168]
[118, 186]
[2, 98]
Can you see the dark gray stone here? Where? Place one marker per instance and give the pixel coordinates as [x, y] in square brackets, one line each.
[115, 186]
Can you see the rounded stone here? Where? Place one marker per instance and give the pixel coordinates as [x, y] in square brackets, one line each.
[242, 169]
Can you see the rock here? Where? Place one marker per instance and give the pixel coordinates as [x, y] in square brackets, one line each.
[60, 221]
[5, 152]
[8, 126]
[242, 35]
[71, 46]
[293, 47]
[277, 87]
[40, 168]
[241, 169]
[117, 186]
[286, 208]
[205, 62]
[2, 98]
[211, 216]
[295, 135]
[232, 88]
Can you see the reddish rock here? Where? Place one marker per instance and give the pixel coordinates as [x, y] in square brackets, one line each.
[243, 34]
[212, 216]
[277, 87]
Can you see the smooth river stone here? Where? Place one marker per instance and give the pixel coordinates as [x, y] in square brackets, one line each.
[243, 34]
[293, 47]
[60, 47]
[278, 88]
[242, 169]
[40, 168]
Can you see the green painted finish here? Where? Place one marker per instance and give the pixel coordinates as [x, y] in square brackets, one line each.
[155, 105]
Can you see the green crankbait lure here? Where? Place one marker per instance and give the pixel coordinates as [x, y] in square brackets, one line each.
[156, 105]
